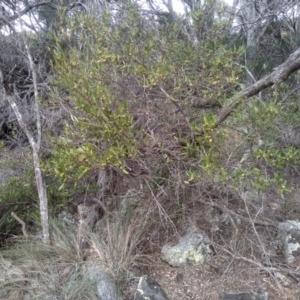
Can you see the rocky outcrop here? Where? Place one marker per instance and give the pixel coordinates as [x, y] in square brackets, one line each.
[193, 248]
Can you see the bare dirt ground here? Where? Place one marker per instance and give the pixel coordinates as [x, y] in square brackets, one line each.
[210, 280]
[205, 283]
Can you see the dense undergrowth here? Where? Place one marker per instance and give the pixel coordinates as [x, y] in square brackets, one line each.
[140, 95]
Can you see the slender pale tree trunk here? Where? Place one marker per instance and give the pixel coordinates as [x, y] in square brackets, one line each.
[35, 146]
[35, 143]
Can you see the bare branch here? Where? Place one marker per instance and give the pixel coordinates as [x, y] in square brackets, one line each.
[21, 222]
[16, 110]
[29, 7]
[279, 75]
[8, 19]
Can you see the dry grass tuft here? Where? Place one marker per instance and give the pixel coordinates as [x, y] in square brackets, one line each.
[116, 244]
[62, 270]
[32, 270]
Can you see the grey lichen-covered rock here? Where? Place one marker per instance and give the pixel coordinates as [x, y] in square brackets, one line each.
[246, 296]
[105, 284]
[289, 233]
[149, 289]
[193, 248]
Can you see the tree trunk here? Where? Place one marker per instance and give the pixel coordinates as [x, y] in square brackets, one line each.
[35, 144]
[41, 187]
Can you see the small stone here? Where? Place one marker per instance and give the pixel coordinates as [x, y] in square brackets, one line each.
[149, 289]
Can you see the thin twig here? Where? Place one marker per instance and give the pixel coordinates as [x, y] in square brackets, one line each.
[238, 216]
[21, 222]
[176, 104]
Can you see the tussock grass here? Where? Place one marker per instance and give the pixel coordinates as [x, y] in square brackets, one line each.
[62, 270]
[117, 242]
[32, 270]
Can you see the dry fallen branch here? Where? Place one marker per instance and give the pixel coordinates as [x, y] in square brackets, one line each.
[279, 75]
